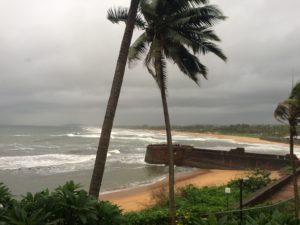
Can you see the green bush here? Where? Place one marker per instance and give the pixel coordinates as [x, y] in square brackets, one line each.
[206, 199]
[5, 195]
[275, 218]
[257, 179]
[151, 216]
[67, 205]
[70, 205]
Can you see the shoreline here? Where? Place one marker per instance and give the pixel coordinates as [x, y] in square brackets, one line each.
[237, 138]
[137, 198]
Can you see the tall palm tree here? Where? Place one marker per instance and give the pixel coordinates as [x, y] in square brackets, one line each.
[113, 102]
[289, 111]
[171, 29]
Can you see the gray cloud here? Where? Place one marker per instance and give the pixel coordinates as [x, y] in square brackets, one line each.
[57, 62]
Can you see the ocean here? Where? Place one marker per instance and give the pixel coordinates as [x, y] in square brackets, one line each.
[33, 158]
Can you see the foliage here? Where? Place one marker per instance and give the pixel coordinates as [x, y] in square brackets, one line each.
[206, 199]
[151, 216]
[159, 216]
[256, 180]
[286, 170]
[159, 197]
[5, 195]
[67, 205]
[275, 218]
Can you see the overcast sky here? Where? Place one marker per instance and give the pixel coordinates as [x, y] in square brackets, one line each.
[57, 59]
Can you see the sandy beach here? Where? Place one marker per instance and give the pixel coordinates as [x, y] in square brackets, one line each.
[140, 197]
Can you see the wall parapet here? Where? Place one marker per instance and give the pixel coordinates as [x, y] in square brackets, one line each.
[186, 155]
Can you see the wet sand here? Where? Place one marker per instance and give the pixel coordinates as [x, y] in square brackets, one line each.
[140, 197]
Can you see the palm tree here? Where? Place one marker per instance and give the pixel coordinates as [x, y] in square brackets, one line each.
[289, 111]
[171, 28]
[113, 102]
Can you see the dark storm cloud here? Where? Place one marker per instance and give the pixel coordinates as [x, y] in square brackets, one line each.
[58, 57]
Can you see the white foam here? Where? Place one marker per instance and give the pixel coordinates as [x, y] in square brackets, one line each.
[77, 135]
[115, 151]
[129, 159]
[146, 139]
[48, 160]
[21, 135]
[136, 184]
[188, 138]
[93, 130]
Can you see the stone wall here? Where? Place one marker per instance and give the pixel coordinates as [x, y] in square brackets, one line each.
[185, 155]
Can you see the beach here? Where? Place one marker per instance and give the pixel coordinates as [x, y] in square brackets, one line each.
[137, 198]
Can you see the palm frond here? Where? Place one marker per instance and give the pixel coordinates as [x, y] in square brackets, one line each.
[137, 48]
[171, 7]
[187, 62]
[281, 113]
[295, 93]
[149, 61]
[116, 15]
[180, 38]
[206, 47]
[198, 41]
[199, 33]
[201, 16]
[289, 111]
[204, 34]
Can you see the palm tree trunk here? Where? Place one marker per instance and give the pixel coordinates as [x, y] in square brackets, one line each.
[293, 162]
[160, 80]
[113, 102]
[172, 211]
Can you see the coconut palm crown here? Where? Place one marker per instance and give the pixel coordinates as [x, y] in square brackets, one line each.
[289, 109]
[171, 28]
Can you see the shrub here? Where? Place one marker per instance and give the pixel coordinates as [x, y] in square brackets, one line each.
[67, 205]
[5, 196]
[151, 216]
[257, 179]
[108, 214]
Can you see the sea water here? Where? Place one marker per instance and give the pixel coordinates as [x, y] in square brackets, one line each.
[33, 158]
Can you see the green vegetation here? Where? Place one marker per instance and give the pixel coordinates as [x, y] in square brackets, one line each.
[70, 205]
[193, 203]
[67, 205]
